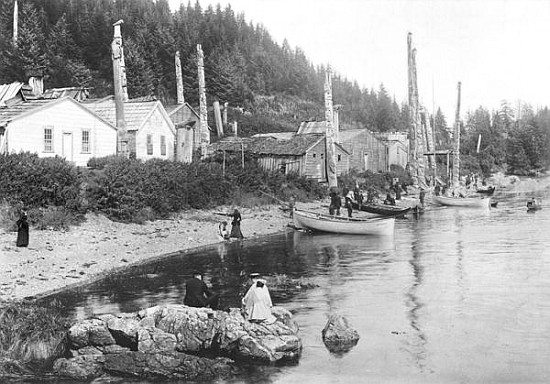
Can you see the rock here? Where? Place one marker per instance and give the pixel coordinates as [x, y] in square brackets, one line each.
[338, 335]
[168, 365]
[83, 367]
[156, 342]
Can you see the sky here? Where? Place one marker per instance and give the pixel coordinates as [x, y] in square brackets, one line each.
[498, 49]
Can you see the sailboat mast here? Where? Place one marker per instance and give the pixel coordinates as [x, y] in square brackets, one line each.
[456, 139]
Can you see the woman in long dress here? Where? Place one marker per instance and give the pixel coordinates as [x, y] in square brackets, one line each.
[236, 225]
[22, 231]
[257, 302]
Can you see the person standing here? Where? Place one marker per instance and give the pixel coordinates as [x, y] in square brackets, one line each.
[349, 202]
[257, 301]
[236, 225]
[197, 293]
[335, 204]
[22, 230]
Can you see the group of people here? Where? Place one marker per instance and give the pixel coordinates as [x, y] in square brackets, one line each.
[256, 303]
[235, 227]
[351, 198]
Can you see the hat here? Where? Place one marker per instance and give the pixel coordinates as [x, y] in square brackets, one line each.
[254, 275]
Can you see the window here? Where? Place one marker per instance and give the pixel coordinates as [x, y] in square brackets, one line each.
[48, 139]
[163, 145]
[85, 141]
[339, 157]
[149, 144]
[314, 155]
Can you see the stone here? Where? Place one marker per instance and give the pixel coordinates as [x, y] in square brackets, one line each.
[124, 331]
[168, 365]
[90, 332]
[83, 367]
[338, 335]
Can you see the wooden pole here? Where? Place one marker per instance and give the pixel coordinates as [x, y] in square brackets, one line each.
[478, 143]
[179, 79]
[218, 117]
[15, 22]
[330, 145]
[205, 134]
[456, 141]
[413, 115]
[117, 57]
[225, 108]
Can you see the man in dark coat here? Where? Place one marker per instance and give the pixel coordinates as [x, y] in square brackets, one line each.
[197, 293]
[335, 203]
[22, 231]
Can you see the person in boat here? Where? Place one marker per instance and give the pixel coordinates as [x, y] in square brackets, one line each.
[335, 203]
[197, 293]
[236, 225]
[257, 301]
[437, 190]
[397, 189]
[22, 230]
[223, 231]
[389, 199]
[349, 201]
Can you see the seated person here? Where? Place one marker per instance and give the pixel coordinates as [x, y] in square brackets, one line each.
[389, 200]
[197, 293]
[223, 231]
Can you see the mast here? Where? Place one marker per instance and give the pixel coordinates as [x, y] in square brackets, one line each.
[456, 140]
[330, 144]
[203, 111]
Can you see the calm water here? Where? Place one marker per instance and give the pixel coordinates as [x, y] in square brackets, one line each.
[456, 295]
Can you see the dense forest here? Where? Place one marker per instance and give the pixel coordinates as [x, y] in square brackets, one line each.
[278, 85]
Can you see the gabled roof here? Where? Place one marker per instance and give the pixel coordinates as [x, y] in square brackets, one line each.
[276, 135]
[23, 109]
[136, 113]
[298, 145]
[77, 93]
[8, 91]
[171, 109]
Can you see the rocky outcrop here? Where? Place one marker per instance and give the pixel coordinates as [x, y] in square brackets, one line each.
[338, 335]
[169, 342]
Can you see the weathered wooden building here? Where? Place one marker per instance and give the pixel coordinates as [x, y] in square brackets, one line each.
[187, 124]
[58, 127]
[368, 153]
[151, 133]
[301, 154]
[398, 147]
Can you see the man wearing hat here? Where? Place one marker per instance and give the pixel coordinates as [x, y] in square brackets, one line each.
[197, 293]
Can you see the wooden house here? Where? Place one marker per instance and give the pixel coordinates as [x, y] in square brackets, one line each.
[398, 147]
[367, 151]
[187, 124]
[301, 154]
[58, 127]
[151, 133]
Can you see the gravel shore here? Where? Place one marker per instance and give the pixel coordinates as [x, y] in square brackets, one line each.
[56, 260]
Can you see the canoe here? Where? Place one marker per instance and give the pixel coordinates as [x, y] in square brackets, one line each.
[382, 209]
[467, 202]
[339, 224]
[486, 190]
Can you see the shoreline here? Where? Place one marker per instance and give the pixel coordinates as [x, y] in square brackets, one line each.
[57, 260]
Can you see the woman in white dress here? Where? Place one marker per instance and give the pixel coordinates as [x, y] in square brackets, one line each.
[257, 301]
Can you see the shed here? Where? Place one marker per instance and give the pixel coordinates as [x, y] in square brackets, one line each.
[151, 133]
[302, 154]
[367, 151]
[58, 127]
[187, 123]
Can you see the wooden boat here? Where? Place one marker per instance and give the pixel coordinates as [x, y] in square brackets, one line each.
[487, 190]
[339, 224]
[382, 209]
[467, 202]
[534, 204]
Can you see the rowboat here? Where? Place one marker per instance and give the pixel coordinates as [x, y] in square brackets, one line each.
[339, 224]
[382, 209]
[534, 204]
[468, 202]
[487, 190]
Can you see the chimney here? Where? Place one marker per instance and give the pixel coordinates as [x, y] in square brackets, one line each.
[179, 79]
[15, 22]
[119, 86]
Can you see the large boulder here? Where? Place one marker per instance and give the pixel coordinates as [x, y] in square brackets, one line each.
[162, 342]
[338, 335]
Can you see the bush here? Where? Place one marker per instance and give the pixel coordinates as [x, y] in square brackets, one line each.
[102, 162]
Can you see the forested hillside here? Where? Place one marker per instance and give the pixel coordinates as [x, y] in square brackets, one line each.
[71, 40]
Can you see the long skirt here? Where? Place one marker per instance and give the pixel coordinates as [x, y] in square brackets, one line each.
[236, 231]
